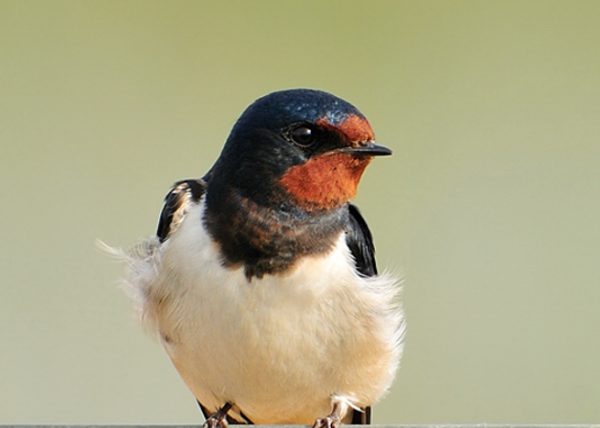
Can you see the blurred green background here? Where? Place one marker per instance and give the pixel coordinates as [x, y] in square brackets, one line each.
[490, 206]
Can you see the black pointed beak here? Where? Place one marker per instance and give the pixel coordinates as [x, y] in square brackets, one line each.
[367, 149]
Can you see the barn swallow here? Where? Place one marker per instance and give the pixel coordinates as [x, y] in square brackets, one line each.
[261, 281]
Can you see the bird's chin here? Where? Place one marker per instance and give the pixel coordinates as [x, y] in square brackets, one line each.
[325, 182]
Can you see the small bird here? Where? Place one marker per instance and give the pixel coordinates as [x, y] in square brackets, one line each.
[261, 281]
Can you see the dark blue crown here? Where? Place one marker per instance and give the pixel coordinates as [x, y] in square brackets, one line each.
[282, 108]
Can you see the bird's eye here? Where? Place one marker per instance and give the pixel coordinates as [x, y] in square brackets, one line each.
[303, 135]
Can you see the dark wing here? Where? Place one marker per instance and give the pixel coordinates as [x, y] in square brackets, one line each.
[360, 242]
[177, 203]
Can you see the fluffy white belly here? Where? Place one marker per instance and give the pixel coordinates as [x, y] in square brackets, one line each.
[278, 347]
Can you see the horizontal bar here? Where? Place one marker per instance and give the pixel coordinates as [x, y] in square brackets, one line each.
[481, 425]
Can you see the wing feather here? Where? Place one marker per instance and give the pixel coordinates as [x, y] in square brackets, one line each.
[360, 242]
[177, 203]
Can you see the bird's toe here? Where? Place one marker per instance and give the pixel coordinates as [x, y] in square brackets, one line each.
[215, 421]
[330, 421]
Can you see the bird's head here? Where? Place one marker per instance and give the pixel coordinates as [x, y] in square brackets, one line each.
[305, 145]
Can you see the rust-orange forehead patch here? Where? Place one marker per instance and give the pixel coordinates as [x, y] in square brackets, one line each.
[355, 128]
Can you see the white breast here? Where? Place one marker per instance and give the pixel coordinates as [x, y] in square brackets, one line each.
[278, 347]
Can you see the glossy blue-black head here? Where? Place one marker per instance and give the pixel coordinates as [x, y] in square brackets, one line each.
[304, 143]
[301, 122]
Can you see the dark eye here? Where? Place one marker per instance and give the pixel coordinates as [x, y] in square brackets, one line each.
[303, 135]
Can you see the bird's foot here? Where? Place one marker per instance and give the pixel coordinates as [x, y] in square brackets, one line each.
[219, 418]
[215, 422]
[333, 419]
[330, 421]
